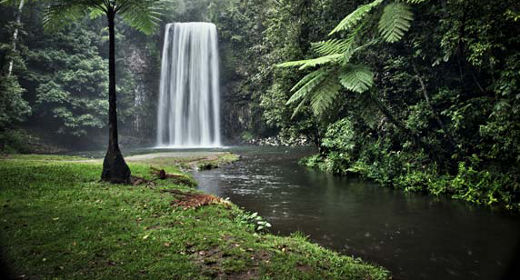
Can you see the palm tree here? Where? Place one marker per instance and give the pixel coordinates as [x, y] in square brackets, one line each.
[140, 14]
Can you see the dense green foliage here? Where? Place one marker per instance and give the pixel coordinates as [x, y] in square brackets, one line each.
[70, 80]
[63, 76]
[436, 111]
[421, 95]
[59, 221]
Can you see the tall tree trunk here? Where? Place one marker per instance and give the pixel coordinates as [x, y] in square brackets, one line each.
[115, 169]
[388, 114]
[15, 36]
[400, 125]
[426, 96]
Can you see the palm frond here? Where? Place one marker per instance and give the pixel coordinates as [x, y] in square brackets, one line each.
[395, 21]
[143, 15]
[95, 13]
[357, 78]
[355, 17]
[60, 13]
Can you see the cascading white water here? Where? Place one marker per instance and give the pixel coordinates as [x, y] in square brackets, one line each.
[189, 97]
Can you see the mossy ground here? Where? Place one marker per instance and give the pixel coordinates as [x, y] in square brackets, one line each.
[187, 160]
[59, 222]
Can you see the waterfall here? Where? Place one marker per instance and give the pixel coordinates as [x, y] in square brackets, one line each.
[189, 97]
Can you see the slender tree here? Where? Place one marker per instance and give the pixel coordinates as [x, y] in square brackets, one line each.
[19, 4]
[13, 107]
[140, 14]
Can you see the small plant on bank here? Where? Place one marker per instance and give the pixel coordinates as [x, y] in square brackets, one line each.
[254, 221]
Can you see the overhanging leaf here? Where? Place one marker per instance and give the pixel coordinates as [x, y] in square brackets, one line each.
[307, 84]
[308, 63]
[355, 17]
[395, 21]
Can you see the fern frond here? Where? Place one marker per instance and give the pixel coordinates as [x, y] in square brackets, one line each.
[325, 95]
[416, 1]
[298, 109]
[333, 46]
[308, 84]
[350, 52]
[307, 63]
[395, 21]
[355, 17]
[305, 80]
[357, 78]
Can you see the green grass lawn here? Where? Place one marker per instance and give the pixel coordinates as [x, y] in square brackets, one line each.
[59, 222]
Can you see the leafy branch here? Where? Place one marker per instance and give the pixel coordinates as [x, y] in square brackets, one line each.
[335, 70]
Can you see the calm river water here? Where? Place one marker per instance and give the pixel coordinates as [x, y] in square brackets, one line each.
[415, 236]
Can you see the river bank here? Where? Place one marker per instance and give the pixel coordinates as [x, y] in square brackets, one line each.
[59, 221]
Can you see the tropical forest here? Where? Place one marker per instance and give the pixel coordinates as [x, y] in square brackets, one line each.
[260, 139]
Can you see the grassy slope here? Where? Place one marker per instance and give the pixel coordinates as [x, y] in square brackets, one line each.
[59, 222]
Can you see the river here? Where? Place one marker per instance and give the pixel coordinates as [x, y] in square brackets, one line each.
[416, 236]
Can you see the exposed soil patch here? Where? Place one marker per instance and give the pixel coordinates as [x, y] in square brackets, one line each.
[192, 200]
[175, 178]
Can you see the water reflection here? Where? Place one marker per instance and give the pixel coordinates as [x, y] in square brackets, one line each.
[416, 236]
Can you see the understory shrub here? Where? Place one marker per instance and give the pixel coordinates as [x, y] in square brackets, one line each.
[15, 141]
[412, 170]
